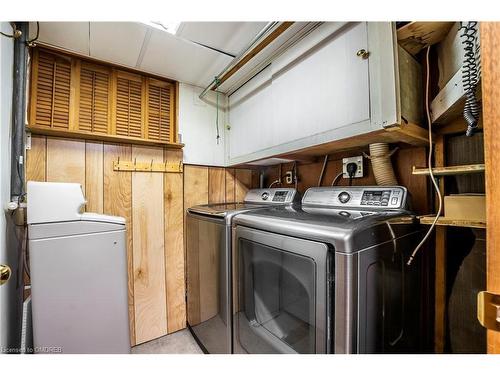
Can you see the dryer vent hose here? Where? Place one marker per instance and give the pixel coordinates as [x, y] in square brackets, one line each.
[380, 157]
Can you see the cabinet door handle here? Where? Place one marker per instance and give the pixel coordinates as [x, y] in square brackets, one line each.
[363, 53]
[5, 273]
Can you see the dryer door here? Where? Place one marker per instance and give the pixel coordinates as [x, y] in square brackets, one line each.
[283, 296]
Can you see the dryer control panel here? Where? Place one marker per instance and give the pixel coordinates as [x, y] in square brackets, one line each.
[368, 197]
[272, 196]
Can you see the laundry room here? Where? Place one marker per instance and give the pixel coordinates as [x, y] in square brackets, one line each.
[236, 185]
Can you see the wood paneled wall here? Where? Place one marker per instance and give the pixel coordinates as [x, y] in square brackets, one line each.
[153, 205]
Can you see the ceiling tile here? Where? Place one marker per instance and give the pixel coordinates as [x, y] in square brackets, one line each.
[229, 37]
[72, 36]
[118, 42]
[170, 56]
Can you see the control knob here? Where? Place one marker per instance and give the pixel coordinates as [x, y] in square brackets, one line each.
[344, 197]
[265, 196]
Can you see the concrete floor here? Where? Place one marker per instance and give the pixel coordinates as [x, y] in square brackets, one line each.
[181, 342]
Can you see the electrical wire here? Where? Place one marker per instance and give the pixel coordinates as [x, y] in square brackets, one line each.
[14, 33]
[335, 180]
[429, 162]
[217, 82]
[273, 183]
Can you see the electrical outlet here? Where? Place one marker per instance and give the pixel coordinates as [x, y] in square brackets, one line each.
[289, 177]
[358, 160]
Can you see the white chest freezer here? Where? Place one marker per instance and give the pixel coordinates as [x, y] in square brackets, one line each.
[78, 265]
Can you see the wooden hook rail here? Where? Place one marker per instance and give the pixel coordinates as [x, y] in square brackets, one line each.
[134, 166]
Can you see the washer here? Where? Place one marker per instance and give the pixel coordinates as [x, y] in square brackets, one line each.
[208, 243]
[329, 276]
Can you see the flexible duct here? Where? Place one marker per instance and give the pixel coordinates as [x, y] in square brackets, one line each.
[380, 157]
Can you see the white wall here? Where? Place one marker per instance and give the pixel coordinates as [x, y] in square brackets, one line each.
[197, 124]
[6, 57]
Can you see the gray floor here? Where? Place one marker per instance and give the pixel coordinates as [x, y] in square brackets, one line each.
[181, 342]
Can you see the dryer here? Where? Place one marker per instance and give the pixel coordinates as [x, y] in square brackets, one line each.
[208, 250]
[329, 276]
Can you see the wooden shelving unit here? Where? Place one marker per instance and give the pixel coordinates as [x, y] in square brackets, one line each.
[416, 36]
[444, 221]
[450, 171]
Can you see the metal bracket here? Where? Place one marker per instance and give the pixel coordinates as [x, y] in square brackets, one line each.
[27, 144]
[488, 310]
[133, 166]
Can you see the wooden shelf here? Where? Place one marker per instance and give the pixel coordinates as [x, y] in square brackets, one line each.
[416, 36]
[101, 137]
[444, 221]
[406, 133]
[450, 171]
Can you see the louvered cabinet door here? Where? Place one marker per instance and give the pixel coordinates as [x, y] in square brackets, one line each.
[94, 104]
[51, 91]
[129, 108]
[159, 110]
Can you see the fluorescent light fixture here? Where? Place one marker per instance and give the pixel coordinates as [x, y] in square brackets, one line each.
[169, 26]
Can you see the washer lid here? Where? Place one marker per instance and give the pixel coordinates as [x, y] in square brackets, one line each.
[222, 209]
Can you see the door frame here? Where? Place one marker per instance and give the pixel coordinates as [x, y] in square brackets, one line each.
[490, 55]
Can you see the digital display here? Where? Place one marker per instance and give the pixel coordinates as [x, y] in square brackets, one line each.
[376, 197]
[280, 196]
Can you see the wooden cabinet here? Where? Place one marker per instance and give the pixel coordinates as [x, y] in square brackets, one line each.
[338, 87]
[79, 98]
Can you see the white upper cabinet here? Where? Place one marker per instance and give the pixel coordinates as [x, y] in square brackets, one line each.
[325, 88]
[318, 91]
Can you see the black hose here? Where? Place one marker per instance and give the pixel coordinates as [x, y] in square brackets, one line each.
[470, 76]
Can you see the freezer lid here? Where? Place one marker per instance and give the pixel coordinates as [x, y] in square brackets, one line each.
[91, 216]
[54, 201]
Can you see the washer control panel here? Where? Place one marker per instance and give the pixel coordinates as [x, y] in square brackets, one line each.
[367, 197]
[272, 196]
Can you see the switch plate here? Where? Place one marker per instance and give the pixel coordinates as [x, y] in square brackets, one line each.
[355, 159]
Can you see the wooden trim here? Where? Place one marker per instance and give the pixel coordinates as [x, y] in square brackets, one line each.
[259, 47]
[101, 137]
[113, 87]
[74, 99]
[144, 107]
[128, 75]
[33, 87]
[429, 219]
[174, 136]
[490, 55]
[450, 171]
[440, 305]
